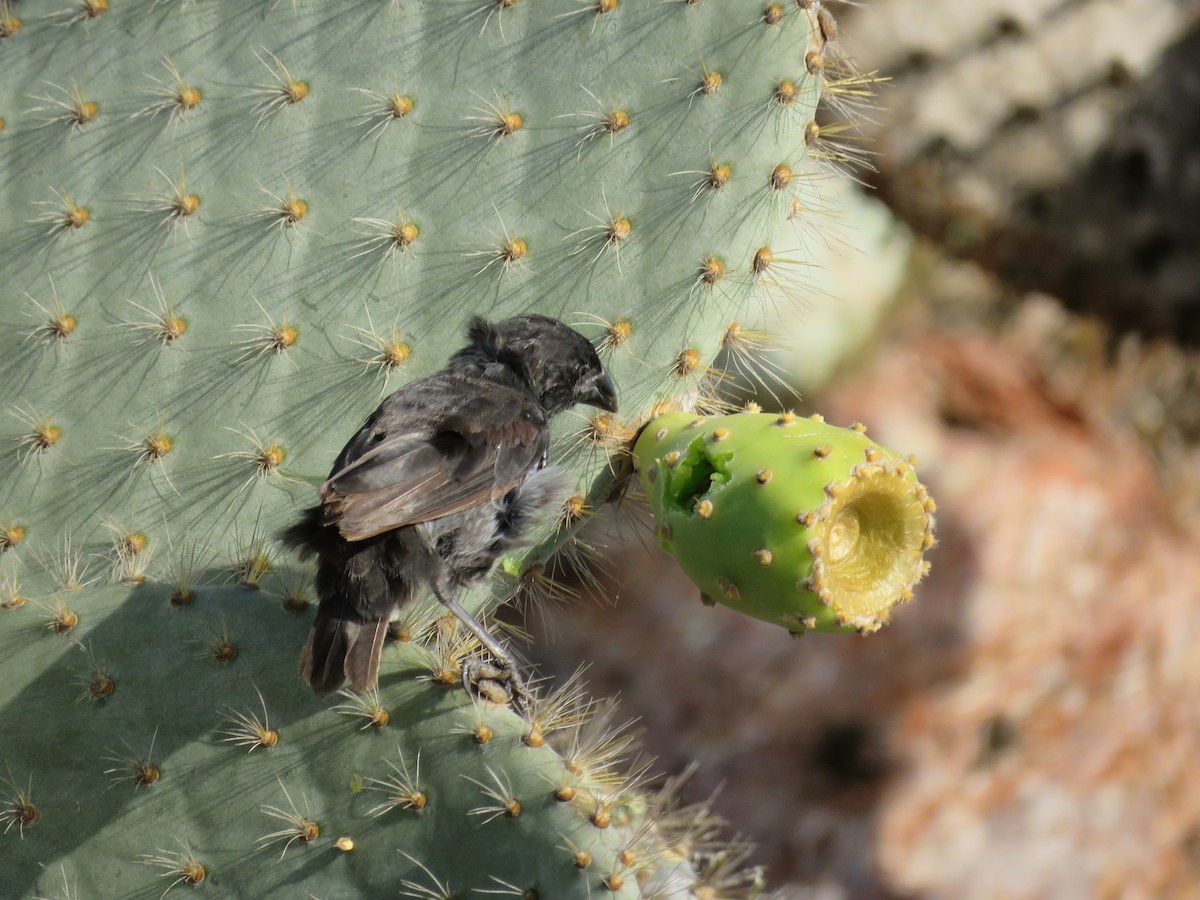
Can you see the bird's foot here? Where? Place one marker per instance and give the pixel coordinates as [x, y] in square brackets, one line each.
[497, 681]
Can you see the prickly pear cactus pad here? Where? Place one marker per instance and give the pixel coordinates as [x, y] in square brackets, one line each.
[151, 746]
[787, 519]
[230, 228]
[227, 230]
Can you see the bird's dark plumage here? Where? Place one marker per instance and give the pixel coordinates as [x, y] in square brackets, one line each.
[440, 481]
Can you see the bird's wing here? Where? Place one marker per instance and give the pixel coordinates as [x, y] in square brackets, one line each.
[419, 463]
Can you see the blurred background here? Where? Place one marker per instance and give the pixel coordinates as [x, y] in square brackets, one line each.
[1009, 288]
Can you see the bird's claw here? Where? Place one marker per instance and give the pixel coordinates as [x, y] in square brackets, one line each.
[497, 681]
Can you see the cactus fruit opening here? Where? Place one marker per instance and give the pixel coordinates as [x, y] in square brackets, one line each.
[693, 476]
[869, 542]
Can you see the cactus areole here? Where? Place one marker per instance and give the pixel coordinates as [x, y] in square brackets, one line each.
[787, 519]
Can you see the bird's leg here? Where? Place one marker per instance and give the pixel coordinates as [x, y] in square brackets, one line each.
[504, 670]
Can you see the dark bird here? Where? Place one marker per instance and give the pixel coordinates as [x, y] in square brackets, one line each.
[443, 478]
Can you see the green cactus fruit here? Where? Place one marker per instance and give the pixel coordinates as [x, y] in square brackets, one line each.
[787, 519]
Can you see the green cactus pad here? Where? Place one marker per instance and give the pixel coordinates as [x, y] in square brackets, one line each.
[227, 230]
[230, 229]
[787, 519]
[144, 740]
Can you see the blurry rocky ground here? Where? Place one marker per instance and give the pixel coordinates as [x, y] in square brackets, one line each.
[1029, 727]
[1057, 142]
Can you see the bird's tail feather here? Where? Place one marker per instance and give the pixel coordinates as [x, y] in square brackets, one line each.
[338, 646]
[362, 662]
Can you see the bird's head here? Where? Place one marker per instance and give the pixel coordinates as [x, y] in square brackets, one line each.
[558, 362]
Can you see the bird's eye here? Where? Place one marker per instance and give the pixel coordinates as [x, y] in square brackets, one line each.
[377, 437]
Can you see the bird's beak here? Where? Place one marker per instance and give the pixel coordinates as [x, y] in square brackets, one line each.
[602, 393]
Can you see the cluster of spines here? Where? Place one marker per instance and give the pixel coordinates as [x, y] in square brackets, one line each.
[17, 809]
